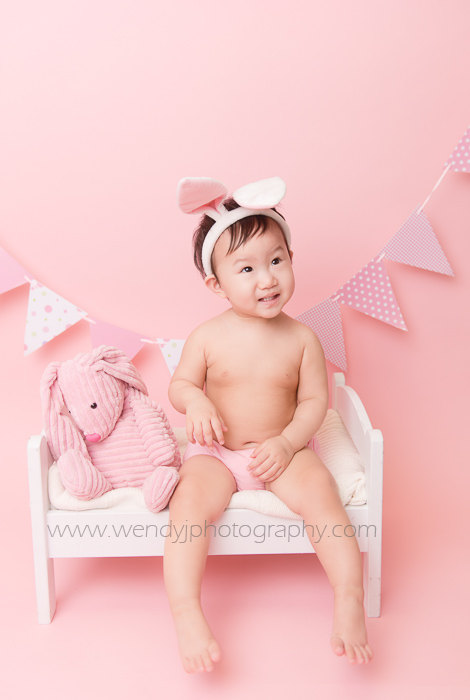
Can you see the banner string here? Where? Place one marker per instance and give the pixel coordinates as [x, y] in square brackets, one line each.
[433, 189]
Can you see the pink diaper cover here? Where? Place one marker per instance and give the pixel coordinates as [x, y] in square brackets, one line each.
[235, 460]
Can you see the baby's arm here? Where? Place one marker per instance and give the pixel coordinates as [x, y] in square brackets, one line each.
[273, 455]
[187, 396]
[312, 394]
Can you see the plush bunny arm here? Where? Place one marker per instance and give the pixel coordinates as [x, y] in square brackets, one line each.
[61, 432]
[62, 435]
[157, 436]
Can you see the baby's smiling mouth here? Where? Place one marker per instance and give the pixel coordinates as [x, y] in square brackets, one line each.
[272, 297]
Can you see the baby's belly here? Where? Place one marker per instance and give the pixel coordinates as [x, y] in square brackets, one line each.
[252, 417]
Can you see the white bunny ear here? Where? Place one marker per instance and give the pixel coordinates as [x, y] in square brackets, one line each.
[263, 194]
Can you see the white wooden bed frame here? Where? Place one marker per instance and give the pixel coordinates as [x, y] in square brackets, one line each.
[144, 534]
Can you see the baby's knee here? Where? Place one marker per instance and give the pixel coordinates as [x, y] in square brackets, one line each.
[191, 500]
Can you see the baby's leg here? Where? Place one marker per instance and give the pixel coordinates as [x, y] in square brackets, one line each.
[308, 488]
[201, 496]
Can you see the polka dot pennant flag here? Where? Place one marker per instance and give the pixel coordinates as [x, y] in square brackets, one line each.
[48, 316]
[415, 244]
[102, 333]
[171, 350]
[370, 292]
[325, 320]
[459, 159]
[12, 274]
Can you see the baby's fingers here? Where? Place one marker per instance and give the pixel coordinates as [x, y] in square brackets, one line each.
[207, 430]
[190, 431]
[218, 430]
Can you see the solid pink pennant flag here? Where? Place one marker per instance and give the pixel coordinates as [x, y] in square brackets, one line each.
[370, 292]
[12, 274]
[325, 320]
[415, 244]
[102, 333]
[459, 159]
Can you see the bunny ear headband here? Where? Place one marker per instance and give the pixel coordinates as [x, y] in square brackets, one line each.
[203, 195]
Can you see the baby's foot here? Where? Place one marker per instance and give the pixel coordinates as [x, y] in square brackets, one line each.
[198, 648]
[349, 627]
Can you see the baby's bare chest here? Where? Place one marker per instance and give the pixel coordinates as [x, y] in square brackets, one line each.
[245, 362]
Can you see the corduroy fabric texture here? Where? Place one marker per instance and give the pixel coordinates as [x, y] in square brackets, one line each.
[103, 429]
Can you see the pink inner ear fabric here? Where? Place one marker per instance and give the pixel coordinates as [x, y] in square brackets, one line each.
[197, 193]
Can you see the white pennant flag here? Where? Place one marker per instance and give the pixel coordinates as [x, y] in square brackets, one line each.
[48, 315]
[171, 350]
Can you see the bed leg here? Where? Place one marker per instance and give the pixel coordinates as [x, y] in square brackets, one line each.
[39, 460]
[372, 581]
[45, 590]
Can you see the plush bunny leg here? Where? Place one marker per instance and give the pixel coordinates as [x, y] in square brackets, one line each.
[80, 477]
[159, 486]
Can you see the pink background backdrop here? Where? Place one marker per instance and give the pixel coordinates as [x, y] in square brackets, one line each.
[104, 107]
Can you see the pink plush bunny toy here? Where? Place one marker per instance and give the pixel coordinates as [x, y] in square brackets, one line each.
[104, 431]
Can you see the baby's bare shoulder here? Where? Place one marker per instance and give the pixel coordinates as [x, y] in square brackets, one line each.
[205, 331]
[305, 335]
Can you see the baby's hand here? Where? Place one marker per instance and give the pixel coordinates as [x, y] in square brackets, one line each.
[271, 458]
[202, 418]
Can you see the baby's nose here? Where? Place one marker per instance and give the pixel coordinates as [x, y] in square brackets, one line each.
[93, 437]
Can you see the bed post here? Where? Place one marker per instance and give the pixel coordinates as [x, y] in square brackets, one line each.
[39, 461]
[373, 557]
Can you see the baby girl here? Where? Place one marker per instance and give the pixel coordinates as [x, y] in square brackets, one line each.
[253, 384]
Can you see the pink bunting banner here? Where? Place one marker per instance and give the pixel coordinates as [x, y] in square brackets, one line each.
[48, 315]
[415, 244]
[459, 159]
[171, 349]
[325, 320]
[12, 274]
[370, 292]
[102, 333]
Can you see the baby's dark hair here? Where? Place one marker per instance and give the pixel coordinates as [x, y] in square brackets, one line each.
[240, 232]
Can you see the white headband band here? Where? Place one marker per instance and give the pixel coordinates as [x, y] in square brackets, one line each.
[203, 195]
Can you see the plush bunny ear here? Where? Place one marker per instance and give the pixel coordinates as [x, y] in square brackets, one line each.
[263, 194]
[115, 362]
[195, 194]
[61, 432]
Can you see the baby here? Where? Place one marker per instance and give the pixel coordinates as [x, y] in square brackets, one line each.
[253, 385]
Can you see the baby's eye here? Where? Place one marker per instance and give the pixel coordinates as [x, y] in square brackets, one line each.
[276, 259]
[93, 405]
[247, 268]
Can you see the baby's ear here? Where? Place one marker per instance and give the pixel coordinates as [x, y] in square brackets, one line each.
[212, 283]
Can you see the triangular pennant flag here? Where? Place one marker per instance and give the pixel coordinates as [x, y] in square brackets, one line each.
[415, 244]
[459, 159]
[12, 274]
[48, 315]
[102, 333]
[171, 350]
[370, 292]
[325, 320]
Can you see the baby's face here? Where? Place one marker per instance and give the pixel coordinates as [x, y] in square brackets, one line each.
[257, 278]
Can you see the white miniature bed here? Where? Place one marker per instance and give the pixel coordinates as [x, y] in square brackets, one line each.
[255, 522]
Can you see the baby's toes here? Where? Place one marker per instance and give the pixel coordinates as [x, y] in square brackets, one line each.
[337, 645]
[214, 651]
[207, 662]
[350, 653]
[361, 656]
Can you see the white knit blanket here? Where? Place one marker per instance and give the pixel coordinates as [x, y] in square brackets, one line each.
[332, 444]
